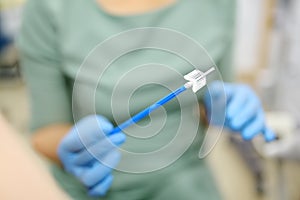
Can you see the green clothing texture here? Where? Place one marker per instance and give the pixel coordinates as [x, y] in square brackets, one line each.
[58, 36]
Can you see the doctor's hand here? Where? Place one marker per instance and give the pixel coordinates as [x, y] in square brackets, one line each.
[238, 107]
[90, 153]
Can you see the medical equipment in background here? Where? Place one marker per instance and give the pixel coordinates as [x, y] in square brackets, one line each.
[10, 19]
[279, 90]
[279, 84]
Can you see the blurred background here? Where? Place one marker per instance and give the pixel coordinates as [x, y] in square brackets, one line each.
[267, 56]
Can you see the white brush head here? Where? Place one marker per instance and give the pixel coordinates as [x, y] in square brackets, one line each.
[197, 79]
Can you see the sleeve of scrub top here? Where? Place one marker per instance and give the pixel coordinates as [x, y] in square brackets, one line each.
[41, 65]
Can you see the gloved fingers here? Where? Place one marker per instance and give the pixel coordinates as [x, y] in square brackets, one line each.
[96, 121]
[215, 103]
[247, 113]
[66, 144]
[100, 169]
[269, 135]
[86, 132]
[237, 102]
[99, 149]
[254, 127]
[102, 187]
[67, 159]
[91, 129]
[63, 154]
[215, 91]
[77, 171]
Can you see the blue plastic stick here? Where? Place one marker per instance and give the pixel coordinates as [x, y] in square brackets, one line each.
[144, 113]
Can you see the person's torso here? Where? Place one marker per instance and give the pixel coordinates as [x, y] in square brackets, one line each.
[117, 74]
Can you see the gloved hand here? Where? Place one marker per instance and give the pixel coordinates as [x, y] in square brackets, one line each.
[237, 106]
[82, 149]
[286, 148]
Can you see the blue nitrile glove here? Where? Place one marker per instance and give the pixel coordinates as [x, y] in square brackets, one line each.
[240, 107]
[82, 149]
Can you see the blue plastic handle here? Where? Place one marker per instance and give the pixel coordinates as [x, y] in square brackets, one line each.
[144, 113]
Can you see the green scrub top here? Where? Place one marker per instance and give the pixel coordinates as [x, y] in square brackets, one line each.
[57, 36]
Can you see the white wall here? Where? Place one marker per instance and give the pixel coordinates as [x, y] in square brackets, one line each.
[248, 34]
